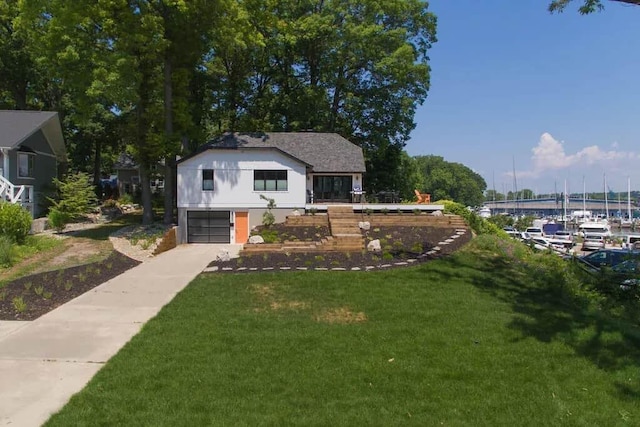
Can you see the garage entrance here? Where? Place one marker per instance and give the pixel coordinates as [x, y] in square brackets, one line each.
[208, 227]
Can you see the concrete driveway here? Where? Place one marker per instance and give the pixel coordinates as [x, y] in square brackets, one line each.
[44, 362]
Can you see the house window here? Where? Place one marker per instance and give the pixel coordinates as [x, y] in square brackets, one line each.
[25, 165]
[270, 180]
[207, 179]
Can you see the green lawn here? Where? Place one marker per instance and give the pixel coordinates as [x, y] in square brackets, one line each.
[476, 339]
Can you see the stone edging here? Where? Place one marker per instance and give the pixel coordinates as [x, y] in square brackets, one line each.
[434, 251]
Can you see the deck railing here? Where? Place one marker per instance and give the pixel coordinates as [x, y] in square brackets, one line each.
[20, 194]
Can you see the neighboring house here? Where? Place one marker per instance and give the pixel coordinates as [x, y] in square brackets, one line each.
[219, 186]
[128, 175]
[31, 149]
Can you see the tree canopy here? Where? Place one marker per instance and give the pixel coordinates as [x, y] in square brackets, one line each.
[159, 76]
[587, 7]
[451, 181]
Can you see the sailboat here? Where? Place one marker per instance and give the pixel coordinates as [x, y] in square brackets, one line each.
[606, 200]
[628, 221]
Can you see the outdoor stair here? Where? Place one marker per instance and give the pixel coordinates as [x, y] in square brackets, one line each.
[345, 231]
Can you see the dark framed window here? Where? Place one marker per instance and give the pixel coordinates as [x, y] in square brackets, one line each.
[207, 179]
[269, 180]
[25, 165]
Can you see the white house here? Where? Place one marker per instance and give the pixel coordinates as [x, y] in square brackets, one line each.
[221, 184]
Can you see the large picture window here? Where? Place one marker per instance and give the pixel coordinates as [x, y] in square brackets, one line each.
[207, 180]
[25, 165]
[264, 180]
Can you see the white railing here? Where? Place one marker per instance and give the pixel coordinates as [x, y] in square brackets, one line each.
[21, 194]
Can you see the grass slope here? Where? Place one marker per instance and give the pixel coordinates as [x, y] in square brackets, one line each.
[475, 339]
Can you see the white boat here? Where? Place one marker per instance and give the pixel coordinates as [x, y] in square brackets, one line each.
[600, 228]
[484, 212]
[579, 217]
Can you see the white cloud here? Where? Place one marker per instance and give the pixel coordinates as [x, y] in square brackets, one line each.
[549, 155]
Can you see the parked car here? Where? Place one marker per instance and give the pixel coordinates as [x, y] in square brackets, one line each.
[593, 242]
[563, 235]
[512, 232]
[627, 273]
[607, 257]
[632, 241]
[534, 231]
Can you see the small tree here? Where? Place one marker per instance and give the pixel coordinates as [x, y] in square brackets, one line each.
[268, 219]
[76, 195]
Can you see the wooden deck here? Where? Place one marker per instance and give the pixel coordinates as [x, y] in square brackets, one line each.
[376, 207]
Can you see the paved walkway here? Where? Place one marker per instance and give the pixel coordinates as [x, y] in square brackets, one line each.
[44, 362]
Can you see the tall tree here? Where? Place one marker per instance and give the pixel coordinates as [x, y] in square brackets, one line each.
[452, 181]
[491, 195]
[17, 68]
[355, 67]
[588, 6]
[133, 59]
[410, 177]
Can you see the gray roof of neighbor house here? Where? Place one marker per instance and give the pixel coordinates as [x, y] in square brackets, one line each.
[18, 125]
[125, 161]
[324, 152]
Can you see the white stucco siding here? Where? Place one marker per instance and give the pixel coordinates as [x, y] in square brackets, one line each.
[233, 180]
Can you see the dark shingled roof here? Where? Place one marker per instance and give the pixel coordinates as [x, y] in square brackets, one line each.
[18, 125]
[324, 152]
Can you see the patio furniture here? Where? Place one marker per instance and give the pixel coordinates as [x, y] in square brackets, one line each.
[357, 194]
[423, 198]
[388, 197]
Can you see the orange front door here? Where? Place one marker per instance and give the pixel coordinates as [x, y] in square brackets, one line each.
[242, 227]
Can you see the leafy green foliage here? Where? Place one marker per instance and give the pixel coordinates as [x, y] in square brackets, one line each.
[7, 251]
[451, 181]
[491, 195]
[587, 7]
[475, 222]
[524, 222]
[268, 219]
[19, 305]
[76, 196]
[58, 219]
[15, 221]
[502, 221]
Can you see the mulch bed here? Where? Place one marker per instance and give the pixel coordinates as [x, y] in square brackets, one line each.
[29, 297]
[401, 246]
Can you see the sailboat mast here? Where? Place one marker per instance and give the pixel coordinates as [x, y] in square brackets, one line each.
[584, 199]
[629, 197]
[564, 204]
[493, 177]
[555, 197]
[515, 182]
[606, 201]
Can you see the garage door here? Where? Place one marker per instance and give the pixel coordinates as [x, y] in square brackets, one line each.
[208, 227]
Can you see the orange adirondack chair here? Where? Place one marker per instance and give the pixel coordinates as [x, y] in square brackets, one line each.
[423, 198]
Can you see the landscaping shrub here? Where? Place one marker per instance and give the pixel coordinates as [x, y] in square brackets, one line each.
[7, 251]
[268, 219]
[109, 203]
[474, 221]
[126, 199]
[15, 221]
[58, 219]
[76, 195]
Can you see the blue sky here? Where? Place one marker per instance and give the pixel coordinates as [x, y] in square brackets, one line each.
[559, 94]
